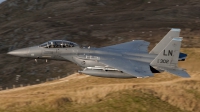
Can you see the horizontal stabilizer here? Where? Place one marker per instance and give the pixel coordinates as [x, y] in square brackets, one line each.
[182, 57]
[177, 71]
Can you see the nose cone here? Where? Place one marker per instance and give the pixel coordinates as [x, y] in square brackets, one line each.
[20, 52]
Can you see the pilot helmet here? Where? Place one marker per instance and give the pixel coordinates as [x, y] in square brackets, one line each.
[52, 43]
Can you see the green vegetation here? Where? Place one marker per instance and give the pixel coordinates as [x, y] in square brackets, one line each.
[195, 93]
[124, 101]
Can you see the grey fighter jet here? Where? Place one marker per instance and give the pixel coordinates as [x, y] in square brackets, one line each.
[126, 60]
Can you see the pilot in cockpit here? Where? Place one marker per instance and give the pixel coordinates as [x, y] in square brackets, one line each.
[58, 44]
[52, 45]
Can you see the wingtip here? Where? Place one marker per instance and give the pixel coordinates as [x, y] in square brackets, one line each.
[176, 29]
[178, 38]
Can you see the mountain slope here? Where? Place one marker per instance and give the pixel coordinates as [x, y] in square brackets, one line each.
[163, 92]
[96, 23]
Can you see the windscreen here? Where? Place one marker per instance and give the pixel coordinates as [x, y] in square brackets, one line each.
[58, 44]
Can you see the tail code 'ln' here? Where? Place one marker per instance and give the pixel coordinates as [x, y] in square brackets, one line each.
[168, 57]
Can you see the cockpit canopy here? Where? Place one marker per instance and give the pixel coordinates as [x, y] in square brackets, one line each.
[58, 44]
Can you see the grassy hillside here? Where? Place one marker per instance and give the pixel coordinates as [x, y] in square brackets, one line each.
[95, 23]
[82, 93]
[128, 101]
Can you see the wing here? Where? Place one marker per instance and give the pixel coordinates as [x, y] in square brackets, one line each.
[135, 45]
[135, 68]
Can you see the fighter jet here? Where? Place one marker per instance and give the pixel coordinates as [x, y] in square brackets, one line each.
[125, 60]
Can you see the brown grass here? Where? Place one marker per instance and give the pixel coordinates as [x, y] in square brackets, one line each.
[183, 93]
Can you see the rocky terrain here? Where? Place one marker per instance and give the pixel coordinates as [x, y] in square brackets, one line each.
[97, 23]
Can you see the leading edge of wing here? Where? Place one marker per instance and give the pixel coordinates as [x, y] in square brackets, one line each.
[135, 45]
[135, 68]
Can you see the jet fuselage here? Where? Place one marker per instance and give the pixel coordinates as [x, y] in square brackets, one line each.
[85, 57]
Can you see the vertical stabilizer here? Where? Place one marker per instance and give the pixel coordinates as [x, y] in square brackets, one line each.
[164, 42]
[168, 58]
